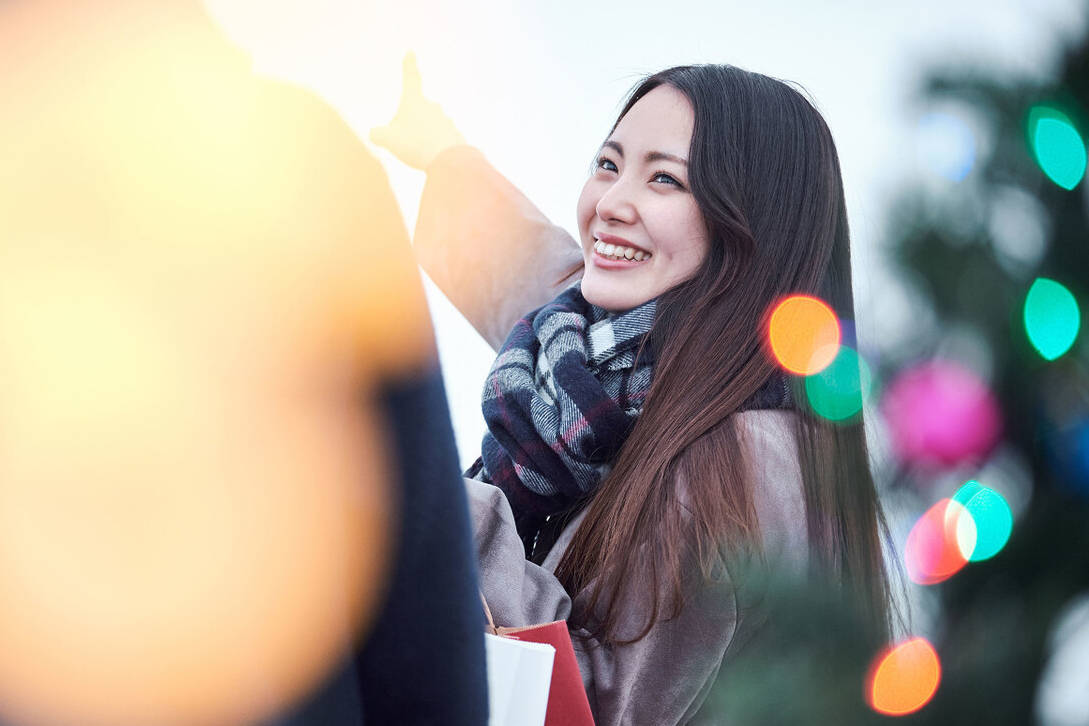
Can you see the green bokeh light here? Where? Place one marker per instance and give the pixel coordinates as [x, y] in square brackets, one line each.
[1052, 318]
[838, 391]
[991, 515]
[1057, 145]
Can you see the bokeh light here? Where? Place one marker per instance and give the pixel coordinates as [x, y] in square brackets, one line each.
[940, 413]
[1062, 695]
[804, 334]
[1052, 319]
[1008, 472]
[946, 145]
[903, 678]
[936, 545]
[1068, 452]
[992, 518]
[1019, 229]
[838, 392]
[1058, 147]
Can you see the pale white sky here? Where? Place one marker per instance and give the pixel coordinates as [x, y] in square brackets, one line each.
[536, 86]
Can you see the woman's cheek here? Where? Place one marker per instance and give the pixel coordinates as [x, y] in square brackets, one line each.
[585, 209]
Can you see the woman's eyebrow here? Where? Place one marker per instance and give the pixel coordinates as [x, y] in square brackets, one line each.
[650, 155]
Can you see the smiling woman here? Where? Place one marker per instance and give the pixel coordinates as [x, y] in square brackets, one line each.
[638, 206]
[644, 450]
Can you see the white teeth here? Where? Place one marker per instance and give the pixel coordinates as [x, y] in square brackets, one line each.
[626, 253]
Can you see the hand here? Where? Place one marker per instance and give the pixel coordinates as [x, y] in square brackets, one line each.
[420, 129]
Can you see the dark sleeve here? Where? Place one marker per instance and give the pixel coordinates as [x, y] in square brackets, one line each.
[424, 660]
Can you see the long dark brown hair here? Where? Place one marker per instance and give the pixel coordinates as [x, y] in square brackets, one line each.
[765, 173]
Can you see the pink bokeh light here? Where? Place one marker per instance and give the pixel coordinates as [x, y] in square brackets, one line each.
[934, 551]
[941, 414]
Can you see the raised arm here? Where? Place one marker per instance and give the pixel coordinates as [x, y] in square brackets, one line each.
[491, 251]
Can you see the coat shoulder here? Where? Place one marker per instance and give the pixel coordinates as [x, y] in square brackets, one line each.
[770, 450]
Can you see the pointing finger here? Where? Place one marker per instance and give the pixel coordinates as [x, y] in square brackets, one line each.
[411, 75]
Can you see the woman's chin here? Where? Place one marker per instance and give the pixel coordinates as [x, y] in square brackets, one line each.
[614, 298]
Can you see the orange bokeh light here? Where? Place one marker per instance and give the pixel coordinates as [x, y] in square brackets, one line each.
[903, 678]
[940, 543]
[803, 334]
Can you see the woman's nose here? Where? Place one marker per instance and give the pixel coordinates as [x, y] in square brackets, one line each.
[617, 202]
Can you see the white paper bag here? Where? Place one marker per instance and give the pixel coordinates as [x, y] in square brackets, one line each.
[519, 675]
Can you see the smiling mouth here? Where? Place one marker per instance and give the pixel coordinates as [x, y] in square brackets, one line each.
[619, 253]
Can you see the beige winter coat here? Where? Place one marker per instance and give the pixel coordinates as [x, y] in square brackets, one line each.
[664, 678]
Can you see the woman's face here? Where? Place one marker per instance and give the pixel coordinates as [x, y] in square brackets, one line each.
[637, 200]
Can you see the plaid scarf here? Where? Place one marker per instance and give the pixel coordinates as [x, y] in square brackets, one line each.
[561, 398]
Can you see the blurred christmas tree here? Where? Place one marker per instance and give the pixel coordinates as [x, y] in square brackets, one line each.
[986, 405]
[1006, 256]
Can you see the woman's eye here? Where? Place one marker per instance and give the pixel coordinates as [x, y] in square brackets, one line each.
[601, 161]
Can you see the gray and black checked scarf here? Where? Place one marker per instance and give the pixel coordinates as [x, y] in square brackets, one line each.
[561, 398]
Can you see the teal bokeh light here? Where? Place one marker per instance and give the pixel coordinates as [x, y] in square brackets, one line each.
[992, 518]
[837, 392]
[1057, 146]
[1052, 318]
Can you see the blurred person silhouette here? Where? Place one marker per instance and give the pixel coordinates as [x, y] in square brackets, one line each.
[228, 485]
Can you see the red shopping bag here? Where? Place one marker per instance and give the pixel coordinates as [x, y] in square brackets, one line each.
[567, 702]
